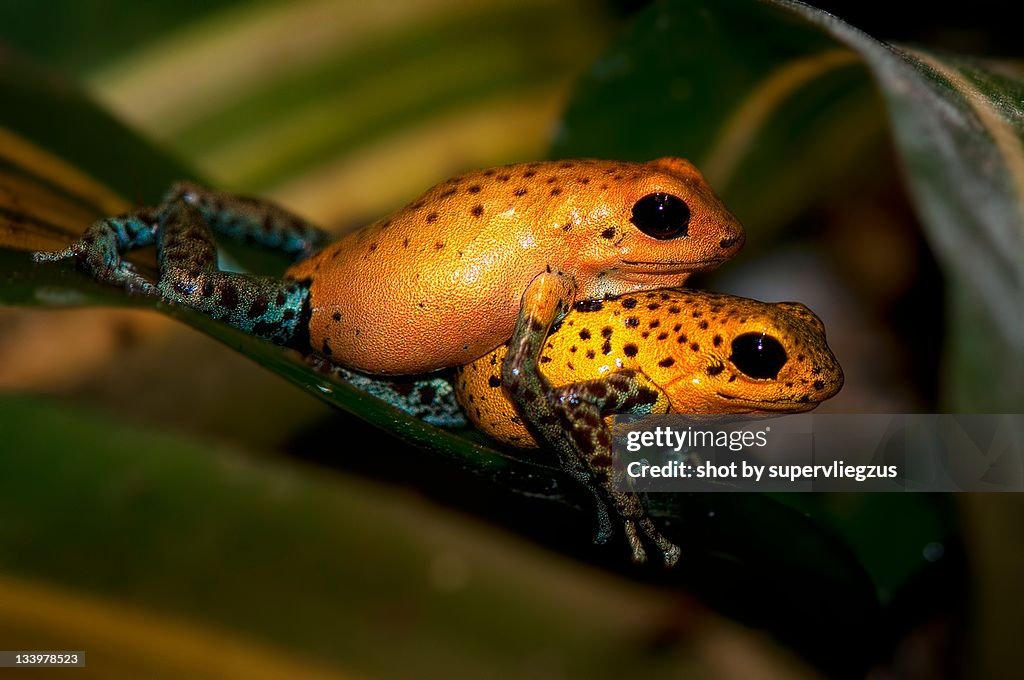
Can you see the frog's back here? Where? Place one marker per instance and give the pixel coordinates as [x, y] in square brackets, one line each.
[439, 282]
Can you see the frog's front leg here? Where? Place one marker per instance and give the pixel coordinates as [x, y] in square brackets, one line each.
[569, 419]
[545, 301]
[580, 406]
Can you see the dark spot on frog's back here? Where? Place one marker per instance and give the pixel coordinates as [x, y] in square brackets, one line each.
[588, 306]
[608, 233]
[477, 211]
[494, 381]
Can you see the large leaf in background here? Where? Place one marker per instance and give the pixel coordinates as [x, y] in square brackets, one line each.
[298, 99]
[814, 594]
[734, 84]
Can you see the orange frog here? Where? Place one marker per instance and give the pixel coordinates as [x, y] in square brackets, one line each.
[681, 351]
[478, 259]
[438, 283]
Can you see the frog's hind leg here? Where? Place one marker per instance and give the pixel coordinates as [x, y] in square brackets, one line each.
[569, 419]
[264, 306]
[250, 220]
[244, 219]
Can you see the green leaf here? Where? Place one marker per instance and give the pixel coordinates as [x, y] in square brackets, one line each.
[813, 594]
[772, 100]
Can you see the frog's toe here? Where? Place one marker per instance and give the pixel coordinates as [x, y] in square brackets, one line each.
[635, 544]
[55, 255]
[136, 284]
[670, 556]
[123, 276]
[604, 529]
[670, 552]
[101, 266]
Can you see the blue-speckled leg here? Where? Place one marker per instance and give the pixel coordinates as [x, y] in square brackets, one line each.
[181, 229]
[99, 250]
[430, 398]
[251, 220]
[264, 306]
[569, 419]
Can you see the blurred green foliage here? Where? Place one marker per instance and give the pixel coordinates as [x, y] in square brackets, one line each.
[778, 103]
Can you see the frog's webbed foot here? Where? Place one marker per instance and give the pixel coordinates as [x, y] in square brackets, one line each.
[579, 408]
[98, 252]
[569, 418]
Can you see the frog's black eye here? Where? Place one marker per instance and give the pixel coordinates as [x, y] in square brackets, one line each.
[662, 216]
[758, 355]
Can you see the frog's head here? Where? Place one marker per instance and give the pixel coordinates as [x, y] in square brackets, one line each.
[656, 224]
[742, 355]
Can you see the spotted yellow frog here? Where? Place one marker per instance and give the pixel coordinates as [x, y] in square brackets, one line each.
[665, 351]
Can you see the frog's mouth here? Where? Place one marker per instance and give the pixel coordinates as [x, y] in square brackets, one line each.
[671, 266]
[787, 405]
